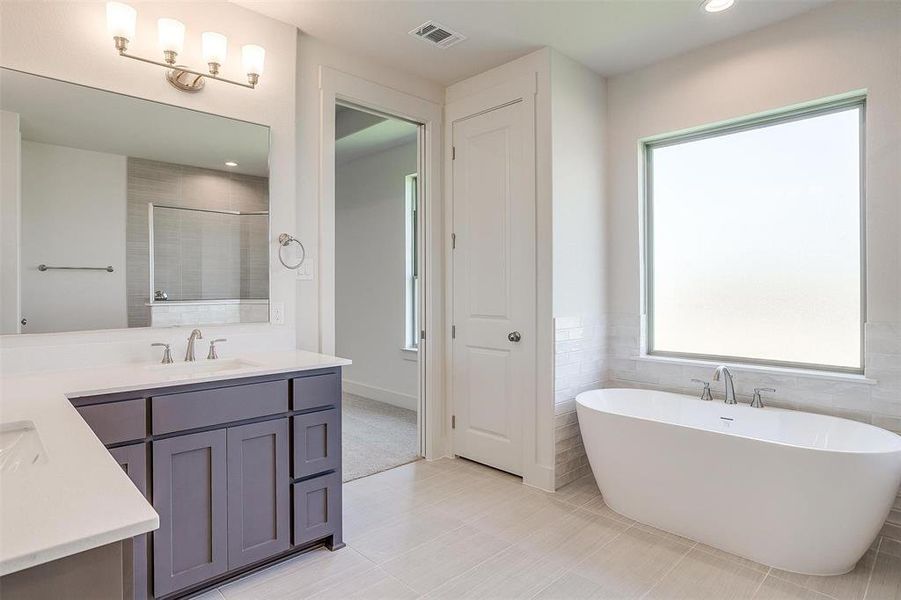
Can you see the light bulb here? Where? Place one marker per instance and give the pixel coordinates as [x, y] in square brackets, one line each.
[713, 6]
[253, 57]
[120, 20]
[215, 47]
[171, 35]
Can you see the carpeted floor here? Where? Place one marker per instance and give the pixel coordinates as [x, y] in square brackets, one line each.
[375, 436]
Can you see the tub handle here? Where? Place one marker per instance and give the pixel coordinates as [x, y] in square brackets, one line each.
[705, 393]
[757, 401]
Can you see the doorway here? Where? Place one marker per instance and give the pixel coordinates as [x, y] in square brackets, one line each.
[377, 288]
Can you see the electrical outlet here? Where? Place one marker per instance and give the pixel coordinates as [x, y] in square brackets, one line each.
[277, 313]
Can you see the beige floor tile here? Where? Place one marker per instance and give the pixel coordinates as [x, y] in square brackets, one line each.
[850, 586]
[666, 534]
[701, 575]
[403, 534]
[597, 505]
[435, 563]
[475, 500]
[890, 546]
[374, 584]
[627, 567]
[778, 589]
[300, 579]
[520, 518]
[210, 595]
[574, 587]
[579, 491]
[511, 574]
[570, 540]
[885, 583]
[735, 558]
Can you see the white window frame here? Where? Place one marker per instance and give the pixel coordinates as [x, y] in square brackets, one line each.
[856, 100]
[411, 279]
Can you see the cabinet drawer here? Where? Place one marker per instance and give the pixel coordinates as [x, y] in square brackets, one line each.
[317, 442]
[317, 508]
[117, 422]
[315, 391]
[187, 410]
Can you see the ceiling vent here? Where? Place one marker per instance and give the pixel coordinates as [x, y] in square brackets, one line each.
[437, 34]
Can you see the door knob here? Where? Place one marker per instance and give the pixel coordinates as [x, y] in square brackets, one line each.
[514, 336]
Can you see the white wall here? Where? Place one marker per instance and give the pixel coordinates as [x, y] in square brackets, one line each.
[312, 54]
[75, 47]
[73, 214]
[10, 208]
[370, 277]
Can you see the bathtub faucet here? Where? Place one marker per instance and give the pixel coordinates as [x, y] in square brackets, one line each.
[730, 389]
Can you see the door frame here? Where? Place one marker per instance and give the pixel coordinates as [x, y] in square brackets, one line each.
[519, 89]
[339, 87]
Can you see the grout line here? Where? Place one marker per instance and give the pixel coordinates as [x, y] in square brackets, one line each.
[866, 590]
[762, 581]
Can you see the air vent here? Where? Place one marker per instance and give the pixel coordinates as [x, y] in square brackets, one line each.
[437, 34]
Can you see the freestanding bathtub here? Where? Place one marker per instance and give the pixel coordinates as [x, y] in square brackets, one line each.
[793, 490]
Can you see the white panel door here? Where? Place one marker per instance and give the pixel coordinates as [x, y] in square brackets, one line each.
[494, 284]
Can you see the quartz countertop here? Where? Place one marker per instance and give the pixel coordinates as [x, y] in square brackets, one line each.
[79, 498]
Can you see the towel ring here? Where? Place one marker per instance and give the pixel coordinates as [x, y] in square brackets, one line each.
[283, 240]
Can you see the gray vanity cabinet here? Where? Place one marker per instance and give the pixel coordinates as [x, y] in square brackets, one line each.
[191, 496]
[241, 472]
[259, 512]
[133, 460]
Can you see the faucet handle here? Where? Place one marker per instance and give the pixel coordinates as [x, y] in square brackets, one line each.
[757, 401]
[213, 355]
[705, 393]
[167, 353]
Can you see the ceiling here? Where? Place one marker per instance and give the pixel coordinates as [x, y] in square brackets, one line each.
[608, 36]
[66, 114]
[360, 133]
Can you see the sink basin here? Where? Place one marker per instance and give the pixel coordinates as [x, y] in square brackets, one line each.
[20, 446]
[202, 367]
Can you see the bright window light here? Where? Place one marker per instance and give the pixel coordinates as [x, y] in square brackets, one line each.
[754, 241]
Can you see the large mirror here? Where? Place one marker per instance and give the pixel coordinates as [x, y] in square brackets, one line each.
[122, 212]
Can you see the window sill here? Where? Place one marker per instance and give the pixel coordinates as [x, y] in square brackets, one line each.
[411, 354]
[748, 368]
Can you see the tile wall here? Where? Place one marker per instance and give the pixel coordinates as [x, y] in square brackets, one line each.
[172, 314]
[195, 266]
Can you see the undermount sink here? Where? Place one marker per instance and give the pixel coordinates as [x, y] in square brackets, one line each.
[204, 366]
[20, 446]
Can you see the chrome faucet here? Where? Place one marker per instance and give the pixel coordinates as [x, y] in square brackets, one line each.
[730, 389]
[189, 354]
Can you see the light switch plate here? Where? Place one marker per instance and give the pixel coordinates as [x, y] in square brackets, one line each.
[277, 313]
[305, 272]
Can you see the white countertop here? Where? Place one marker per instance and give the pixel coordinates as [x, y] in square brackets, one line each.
[79, 498]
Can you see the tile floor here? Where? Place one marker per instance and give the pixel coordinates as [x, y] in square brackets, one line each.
[454, 529]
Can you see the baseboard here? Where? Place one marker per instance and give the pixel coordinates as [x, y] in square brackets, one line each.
[380, 394]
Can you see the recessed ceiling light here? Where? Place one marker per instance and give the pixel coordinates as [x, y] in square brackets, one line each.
[713, 6]
[231, 163]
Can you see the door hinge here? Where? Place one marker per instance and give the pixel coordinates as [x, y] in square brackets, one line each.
[453, 332]
[453, 241]
[453, 421]
[453, 153]
[422, 334]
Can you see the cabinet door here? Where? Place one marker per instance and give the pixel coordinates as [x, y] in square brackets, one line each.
[133, 460]
[190, 495]
[317, 443]
[317, 508]
[259, 518]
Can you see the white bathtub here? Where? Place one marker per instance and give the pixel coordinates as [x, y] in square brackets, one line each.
[793, 490]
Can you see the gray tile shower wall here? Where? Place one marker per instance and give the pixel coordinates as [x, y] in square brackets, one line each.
[192, 187]
[877, 402]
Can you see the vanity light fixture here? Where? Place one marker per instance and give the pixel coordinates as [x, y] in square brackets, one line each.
[715, 6]
[121, 20]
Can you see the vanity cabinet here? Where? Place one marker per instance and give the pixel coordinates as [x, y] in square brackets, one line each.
[241, 472]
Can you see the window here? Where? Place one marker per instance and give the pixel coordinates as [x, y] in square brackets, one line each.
[412, 266]
[754, 241]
